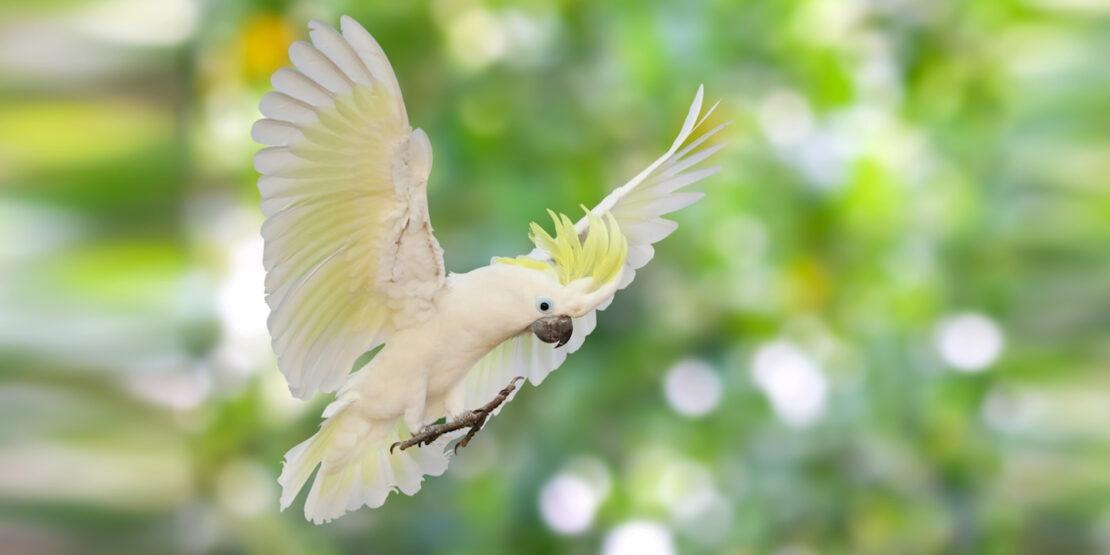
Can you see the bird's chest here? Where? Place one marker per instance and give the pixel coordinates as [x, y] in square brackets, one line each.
[441, 350]
[458, 349]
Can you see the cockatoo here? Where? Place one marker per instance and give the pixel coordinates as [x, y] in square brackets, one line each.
[352, 265]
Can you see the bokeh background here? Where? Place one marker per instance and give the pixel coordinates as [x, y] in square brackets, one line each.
[885, 330]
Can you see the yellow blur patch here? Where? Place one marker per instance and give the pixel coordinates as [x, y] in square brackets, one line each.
[265, 41]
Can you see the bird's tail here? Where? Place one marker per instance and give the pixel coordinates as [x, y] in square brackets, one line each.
[356, 466]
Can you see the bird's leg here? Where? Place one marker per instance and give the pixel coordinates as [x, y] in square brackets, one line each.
[473, 420]
[414, 412]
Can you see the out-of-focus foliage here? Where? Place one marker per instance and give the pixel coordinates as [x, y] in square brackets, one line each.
[885, 330]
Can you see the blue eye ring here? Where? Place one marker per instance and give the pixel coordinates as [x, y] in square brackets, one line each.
[544, 304]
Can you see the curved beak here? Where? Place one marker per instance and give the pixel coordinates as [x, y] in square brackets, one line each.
[553, 329]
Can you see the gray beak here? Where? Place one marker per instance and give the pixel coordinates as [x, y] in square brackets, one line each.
[553, 328]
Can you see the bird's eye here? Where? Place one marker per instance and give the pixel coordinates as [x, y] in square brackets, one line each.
[544, 304]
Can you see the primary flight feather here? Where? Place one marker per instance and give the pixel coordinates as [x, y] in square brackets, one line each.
[352, 265]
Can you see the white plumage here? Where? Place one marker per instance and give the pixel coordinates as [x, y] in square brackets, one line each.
[352, 264]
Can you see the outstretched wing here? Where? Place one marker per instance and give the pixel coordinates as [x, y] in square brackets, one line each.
[350, 254]
[639, 207]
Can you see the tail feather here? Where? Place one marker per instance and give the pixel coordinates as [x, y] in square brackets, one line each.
[355, 465]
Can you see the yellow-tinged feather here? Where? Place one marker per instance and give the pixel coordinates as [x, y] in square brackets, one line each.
[524, 262]
[600, 257]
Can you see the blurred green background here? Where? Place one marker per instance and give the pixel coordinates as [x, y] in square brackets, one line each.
[885, 330]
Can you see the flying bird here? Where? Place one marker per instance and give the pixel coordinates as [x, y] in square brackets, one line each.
[352, 265]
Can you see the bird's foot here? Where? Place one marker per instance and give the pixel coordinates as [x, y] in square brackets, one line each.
[473, 420]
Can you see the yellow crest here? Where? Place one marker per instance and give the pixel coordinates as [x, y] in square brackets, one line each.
[600, 257]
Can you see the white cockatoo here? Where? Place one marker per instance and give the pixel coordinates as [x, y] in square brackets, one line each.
[352, 265]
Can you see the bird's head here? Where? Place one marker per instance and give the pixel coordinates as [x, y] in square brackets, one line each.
[568, 277]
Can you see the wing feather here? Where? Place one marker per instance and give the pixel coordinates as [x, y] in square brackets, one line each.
[337, 190]
[294, 84]
[651, 231]
[671, 170]
[372, 56]
[275, 133]
[282, 107]
[329, 42]
[318, 67]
